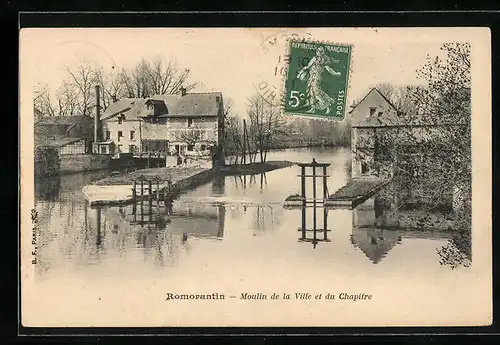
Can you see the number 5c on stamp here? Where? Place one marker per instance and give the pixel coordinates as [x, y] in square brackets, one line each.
[317, 79]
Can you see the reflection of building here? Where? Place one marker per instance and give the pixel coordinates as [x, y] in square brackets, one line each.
[197, 220]
[379, 224]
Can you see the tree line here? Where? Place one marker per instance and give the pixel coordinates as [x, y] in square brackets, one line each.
[76, 95]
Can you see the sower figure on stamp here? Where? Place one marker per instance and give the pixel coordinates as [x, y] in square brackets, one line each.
[312, 74]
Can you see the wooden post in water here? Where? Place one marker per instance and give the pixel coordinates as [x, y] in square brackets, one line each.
[134, 192]
[158, 193]
[150, 187]
[142, 186]
[314, 181]
[303, 192]
[325, 188]
[244, 142]
[325, 223]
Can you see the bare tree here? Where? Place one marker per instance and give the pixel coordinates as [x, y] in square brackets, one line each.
[193, 135]
[83, 77]
[399, 95]
[266, 121]
[42, 100]
[155, 77]
[112, 86]
[61, 103]
[76, 95]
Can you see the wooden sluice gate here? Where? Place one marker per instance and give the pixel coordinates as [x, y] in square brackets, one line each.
[152, 201]
[317, 230]
[355, 192]
[151, 189]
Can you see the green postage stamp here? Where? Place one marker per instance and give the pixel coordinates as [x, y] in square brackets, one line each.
[317, 79]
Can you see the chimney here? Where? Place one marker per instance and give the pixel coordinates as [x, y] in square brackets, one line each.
[97, 118]
[183, 91]
[114, 98]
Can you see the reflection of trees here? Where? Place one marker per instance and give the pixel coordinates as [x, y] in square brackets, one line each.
[458, 251]
[218, 184]
[266, 218]
[245, 181]
[47, 189]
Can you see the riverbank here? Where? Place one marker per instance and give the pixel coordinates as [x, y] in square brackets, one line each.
[254, 168]
[116, 190]
[295, 145]
[179, 173]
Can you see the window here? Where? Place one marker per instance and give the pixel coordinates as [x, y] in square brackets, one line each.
[190, 122]
[120, 147]
[177, 148]
[103, 149]
[132, 148]
[372, 110]
[203, 147]
[132, 135]
[364, 167]
[120, 135]
[108, 135]
[190, 147]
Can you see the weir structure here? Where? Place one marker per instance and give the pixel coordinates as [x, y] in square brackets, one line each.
[314, 233]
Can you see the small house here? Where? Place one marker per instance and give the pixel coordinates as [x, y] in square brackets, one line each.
[64, 146]
[63, 129]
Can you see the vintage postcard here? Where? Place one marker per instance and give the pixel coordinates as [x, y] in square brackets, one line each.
[330, 177]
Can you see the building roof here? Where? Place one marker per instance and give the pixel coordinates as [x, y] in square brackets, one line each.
[386, 113]
[374, 243]
[120, 106]
[191, 104]
[58, 142]
[62, 120]
[391, 116]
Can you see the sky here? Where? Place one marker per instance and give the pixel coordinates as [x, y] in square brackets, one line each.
[235, 61]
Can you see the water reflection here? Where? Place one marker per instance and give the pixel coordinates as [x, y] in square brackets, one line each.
[160, 229]
[386, 219]
[238, 216]
[314, 226]
[248, 181]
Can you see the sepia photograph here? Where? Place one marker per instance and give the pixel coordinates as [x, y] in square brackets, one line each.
[255, 177]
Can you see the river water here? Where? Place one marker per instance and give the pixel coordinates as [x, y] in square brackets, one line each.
[232, 235]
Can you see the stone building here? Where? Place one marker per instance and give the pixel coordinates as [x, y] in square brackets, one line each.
[412, 150]
[186, 124]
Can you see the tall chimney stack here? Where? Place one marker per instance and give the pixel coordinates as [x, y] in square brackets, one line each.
[183, 91]
[97, 118]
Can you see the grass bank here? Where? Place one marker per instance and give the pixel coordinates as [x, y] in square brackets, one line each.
[254, 168]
